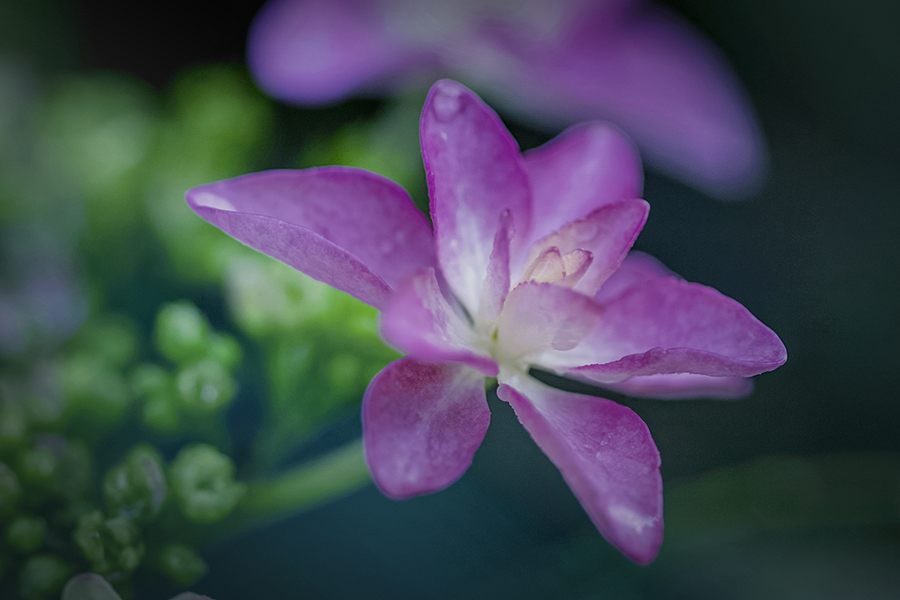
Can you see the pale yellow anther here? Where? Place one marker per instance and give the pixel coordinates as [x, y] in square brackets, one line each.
[562, 269]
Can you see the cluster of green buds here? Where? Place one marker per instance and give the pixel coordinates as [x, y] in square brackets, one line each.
[200, 386]
[59, 513]
[150, 509]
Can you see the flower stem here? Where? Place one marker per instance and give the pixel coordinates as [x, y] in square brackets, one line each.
[326, 478]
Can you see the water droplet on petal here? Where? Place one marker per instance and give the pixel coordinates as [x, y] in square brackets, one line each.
[447, 101]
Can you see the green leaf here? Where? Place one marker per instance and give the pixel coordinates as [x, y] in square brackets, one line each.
[779, 492]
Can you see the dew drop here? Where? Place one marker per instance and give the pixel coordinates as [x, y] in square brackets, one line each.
[447, 102]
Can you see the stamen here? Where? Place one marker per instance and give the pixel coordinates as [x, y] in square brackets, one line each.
[562, 269]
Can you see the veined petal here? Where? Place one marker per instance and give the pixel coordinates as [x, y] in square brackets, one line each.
[607, 457]
[649, 72]
[587, 166]
[352, 229]
[89, 586]
[319, 51]
[667, 325]
[419, 321]
[607, 233]
[636, 267]
[422, 424]
[475, 174]
[679, 386]
[538, 317]
[668, 87]
[496, 282]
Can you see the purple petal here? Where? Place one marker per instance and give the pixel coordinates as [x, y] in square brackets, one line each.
[636, 267]
[496, 282]
[668, 325]
[419, 321]
[649, 72]
[607, 233]
[586, 167]
[319, 51]
[680, 386]
[422, 424]
[675, 93]
[350, 228]
[475, 175]
[89, 586]
[541, 316]
[607, 457]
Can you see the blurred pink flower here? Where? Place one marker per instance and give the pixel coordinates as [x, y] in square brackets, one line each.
[554, 62]
[527, 265]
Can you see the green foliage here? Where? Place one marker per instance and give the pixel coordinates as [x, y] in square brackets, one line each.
[13, 424]
[94, 391]
[26, 534]
[216, 126]
[10, 491]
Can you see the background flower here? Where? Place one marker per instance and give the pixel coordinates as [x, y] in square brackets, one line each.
[636, 64]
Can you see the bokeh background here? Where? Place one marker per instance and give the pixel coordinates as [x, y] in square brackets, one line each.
[793, 492]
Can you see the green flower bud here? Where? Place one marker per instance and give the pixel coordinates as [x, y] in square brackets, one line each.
[125, 534]
[205, 387]
[113, 546]
[153, 384]
[42, 576]
[137, 485]
[181, 564]
[160, 413]
[88, 537]
[26, 534]
[181, 331]
[203, 481]
[10, 491]
[225, 350]
[38, 467]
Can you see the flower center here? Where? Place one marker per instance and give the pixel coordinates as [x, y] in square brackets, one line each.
[552, 266]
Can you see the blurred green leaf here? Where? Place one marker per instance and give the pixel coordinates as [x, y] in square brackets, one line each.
[833, 490]
[10, 491]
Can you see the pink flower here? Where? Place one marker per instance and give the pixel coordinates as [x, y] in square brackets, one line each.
[556, 62]
[527, 265]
